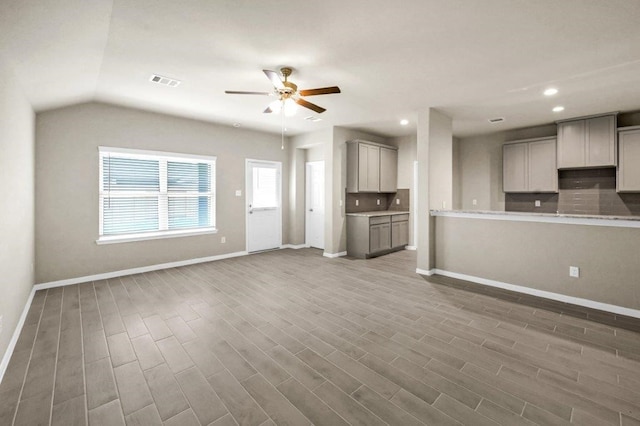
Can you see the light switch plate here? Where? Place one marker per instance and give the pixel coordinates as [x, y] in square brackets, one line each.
[238, 193]
[574, 271]
[378, 201]
[357, 203]
[537, 203]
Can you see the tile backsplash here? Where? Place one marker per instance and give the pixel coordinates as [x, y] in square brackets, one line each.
[368, 202]
[580, 191]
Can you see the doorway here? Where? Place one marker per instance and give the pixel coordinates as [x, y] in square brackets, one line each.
[314, 204]
[264, 205]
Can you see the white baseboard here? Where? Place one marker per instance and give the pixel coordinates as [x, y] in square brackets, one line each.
[424, 272]
[334, 255]
[16, 334]
[411, 248]
[621, 310]
[294, 246]
[139, 270]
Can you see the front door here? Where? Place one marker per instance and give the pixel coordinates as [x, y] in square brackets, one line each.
[314, 218]
[264, 205]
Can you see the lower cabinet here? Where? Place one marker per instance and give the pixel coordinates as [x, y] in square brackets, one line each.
[369, 236]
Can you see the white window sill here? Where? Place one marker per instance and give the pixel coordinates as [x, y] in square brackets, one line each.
[114, 239]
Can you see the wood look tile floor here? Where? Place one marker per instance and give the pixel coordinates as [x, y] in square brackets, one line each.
[290, 337]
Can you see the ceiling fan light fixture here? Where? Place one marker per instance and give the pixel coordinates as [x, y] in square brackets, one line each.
[275, 106]
[290, 107]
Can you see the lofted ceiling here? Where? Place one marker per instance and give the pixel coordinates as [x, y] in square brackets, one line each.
[471, 59]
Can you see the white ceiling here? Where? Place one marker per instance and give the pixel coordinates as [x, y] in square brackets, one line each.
[472, 59]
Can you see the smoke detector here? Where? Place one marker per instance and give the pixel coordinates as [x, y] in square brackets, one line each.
[165, 81]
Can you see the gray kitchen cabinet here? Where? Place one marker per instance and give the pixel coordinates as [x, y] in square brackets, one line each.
[530, 166]
[388, 170]
[375, 235]
[588, 142]
[371, 167]
[399, 230]
[629, 159]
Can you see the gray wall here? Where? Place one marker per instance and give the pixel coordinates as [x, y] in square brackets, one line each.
[538, 255]
[17, 141]
[67, 186]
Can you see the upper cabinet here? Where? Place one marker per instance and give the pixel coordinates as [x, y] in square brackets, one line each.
[629, 152]
[587, 142]
[371, 167]
[530, 166]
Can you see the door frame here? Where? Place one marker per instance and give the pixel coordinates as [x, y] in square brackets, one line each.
[306, 206]
[247, 183]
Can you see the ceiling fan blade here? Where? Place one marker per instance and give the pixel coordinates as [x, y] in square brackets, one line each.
[275, 78]
[311, 106]
[237, 92]
[320, 91]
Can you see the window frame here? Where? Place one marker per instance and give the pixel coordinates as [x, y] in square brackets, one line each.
[163, 195]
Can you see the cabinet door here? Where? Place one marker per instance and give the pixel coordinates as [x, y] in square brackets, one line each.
[628, 170]
[514, 167]
[399, 234]
[543, 172]
[385, 236]
[368, 168]
[571, 144]
[600, 141]
[388, 170]
[374, 238]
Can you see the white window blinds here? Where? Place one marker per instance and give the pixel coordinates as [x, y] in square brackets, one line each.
[152, 192]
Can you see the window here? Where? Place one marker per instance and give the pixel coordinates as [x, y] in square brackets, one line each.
[148, 194]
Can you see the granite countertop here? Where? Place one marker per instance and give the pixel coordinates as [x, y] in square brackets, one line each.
[549, 215]
[378, 213]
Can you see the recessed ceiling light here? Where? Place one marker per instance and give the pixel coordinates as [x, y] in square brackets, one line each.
[550, 91]
[558, 108]
[237, 124]
[404, 122]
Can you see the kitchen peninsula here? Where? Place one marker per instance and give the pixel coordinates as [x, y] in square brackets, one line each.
[587, 260]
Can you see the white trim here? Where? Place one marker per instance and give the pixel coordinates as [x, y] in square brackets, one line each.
[615, 221]
[424, 272]
[139, 270]
[541, 293]
[126, 238]
[411, 248]
[143, 153]
[294, 246]
[16, 334]
[334, 255]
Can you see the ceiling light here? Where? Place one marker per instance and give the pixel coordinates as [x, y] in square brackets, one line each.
[550, 91]
[290, 107]
[237, 124]
[558, 108]
[404, 122]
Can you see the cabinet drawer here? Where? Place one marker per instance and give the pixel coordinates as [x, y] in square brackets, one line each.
[378, 219]
[399, 217]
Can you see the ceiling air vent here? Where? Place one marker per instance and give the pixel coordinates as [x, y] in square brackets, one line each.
[313, 119]
[496, 120]
[165, 81]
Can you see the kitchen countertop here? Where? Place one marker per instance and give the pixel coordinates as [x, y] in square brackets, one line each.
[378, 213]
[575, 219]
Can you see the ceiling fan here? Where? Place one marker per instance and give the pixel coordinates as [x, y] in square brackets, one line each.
[288, 93]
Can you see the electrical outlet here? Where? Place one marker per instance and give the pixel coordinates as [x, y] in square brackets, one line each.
[223, 240]
[537, 203]
[378, 201]
[357, 203]
[574, 271]
[474, 202]
[398, 201]
[444, 204]
[238, 193]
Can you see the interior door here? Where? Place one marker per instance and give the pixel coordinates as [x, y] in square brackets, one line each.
[264, 205]
[314, 204]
